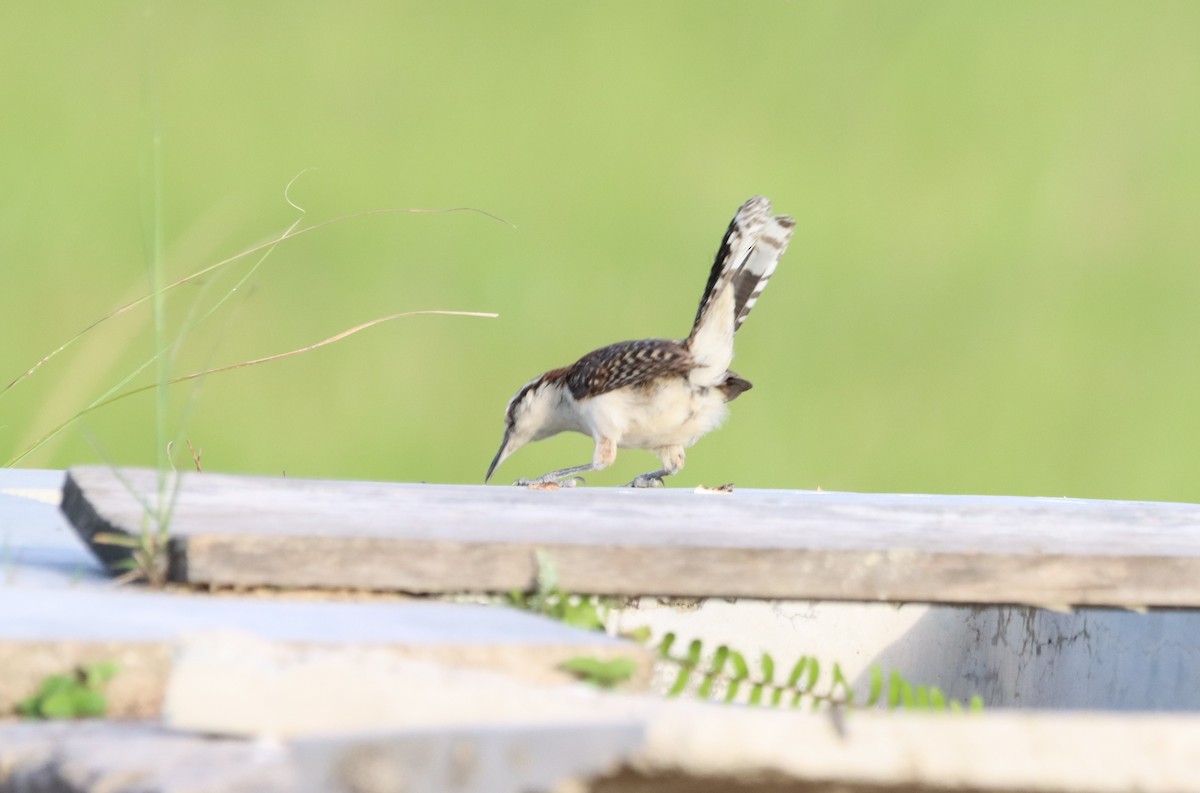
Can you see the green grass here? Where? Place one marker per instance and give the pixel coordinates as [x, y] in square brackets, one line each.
[993, 286]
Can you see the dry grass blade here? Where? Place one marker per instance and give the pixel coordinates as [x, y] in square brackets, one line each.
[240, 365]
[192, 450]
[332, 339]
[196, 456]
[291, 233]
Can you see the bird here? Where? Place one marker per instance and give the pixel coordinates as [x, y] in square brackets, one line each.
[661, 395]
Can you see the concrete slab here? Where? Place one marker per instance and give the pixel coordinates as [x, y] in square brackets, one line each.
[137, 615]
[38, 484]
[37, 544]
[100, 757]
[681, 746]
[132, 757]
[496, 759]
[710, 748]
[46, 631]
[239, 685]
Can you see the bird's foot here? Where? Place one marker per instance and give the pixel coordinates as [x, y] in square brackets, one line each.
[647, 480]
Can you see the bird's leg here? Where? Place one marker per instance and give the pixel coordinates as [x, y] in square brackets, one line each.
[606, 452]
[672, 459]
[570, 474]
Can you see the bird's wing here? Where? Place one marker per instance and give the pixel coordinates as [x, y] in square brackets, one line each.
[627, 363]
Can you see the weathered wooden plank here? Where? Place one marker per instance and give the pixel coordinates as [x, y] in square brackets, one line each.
[751, 543]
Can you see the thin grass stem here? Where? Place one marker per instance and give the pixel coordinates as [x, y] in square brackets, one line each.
[291, 233]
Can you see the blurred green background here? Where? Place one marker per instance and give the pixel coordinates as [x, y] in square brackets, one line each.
[994, 286]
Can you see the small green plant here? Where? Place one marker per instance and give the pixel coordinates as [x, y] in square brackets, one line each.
[75, 696]
[727, 675]
[601, 672]
[549, 600]
[586, 613]
[147, 560]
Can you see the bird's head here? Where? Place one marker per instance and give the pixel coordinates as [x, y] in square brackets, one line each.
[536, 412]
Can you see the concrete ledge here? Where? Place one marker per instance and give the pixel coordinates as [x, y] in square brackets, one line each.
[495, 759]
[670, 746]
[900, 751]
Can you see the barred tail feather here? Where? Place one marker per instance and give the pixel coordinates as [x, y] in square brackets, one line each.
[749, 221]
[748, 256]
[751, 279]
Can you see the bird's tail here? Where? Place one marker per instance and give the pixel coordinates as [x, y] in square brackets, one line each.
[745, 262]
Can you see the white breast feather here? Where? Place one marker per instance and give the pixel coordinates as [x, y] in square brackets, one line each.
[674, 414]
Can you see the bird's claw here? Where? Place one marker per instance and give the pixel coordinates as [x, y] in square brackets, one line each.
[646, 480]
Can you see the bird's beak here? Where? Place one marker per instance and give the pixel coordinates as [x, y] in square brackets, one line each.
[504, 452]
